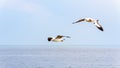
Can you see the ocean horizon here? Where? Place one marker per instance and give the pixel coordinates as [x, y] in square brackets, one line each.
[60, 58]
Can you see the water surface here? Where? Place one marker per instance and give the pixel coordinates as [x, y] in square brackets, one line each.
[60, 58]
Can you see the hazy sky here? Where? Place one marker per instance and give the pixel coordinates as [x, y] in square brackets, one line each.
[28, 23]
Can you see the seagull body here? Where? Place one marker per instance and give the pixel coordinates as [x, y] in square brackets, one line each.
[90, 20]
[59, 38]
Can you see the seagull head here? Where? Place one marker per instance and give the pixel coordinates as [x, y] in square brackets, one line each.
[50, 38]
[97, 20]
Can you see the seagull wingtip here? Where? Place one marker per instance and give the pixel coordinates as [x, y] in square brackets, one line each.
[101, 29]
[73, 22]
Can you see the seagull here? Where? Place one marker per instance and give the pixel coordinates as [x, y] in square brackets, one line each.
[90, 20]
[58, 38]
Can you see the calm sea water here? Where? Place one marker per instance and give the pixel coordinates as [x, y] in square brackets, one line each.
[60, 58]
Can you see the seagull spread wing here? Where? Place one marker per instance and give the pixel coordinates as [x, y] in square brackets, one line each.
[79, 21]
[98, 26]
[60, 36]
[67, 36]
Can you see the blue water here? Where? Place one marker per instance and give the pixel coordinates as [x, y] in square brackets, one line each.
[60, 58]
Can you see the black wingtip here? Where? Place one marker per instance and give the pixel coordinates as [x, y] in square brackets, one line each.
[68, 36]
[100, 28]
[73, 22]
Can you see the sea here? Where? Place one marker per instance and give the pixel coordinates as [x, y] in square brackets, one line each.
[60, 58]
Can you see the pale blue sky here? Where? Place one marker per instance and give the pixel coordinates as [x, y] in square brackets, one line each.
[28, 23]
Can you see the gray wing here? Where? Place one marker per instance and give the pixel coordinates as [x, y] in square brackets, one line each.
[79, 21]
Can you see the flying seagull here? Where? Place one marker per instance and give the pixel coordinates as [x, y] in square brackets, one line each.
[58, 38]
[90, 20]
